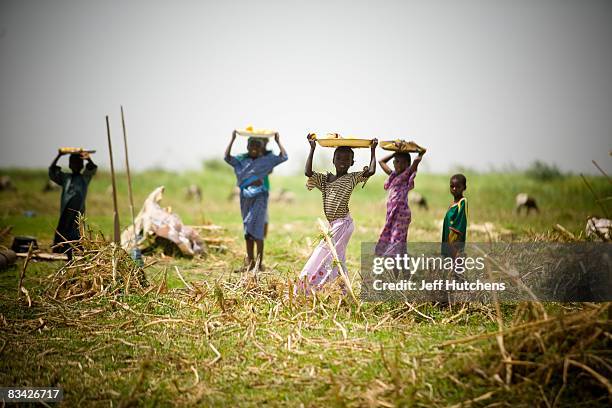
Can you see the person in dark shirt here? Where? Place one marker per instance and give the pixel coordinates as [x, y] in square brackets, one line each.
[74, 193]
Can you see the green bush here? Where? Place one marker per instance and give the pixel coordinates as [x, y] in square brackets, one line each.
[543, 172]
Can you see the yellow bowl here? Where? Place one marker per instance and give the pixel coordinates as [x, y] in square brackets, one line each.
[250, 132]
[75, 150]
[334, 140]
[406, 147]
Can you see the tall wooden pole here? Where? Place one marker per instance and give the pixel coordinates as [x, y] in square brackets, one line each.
[129, 177]
[116, 227]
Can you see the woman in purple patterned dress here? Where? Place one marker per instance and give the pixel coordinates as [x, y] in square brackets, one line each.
[394, 236]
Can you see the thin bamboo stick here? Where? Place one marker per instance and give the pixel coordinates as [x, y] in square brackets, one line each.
[129, 177]
[116, 226]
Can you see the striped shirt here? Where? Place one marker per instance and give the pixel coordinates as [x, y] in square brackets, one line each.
[337, 193]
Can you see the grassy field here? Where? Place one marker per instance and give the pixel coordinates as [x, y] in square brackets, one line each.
[243, 344]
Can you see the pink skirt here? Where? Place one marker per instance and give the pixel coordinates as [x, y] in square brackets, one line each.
[319, 269]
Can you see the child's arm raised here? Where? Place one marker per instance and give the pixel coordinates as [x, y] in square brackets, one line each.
[308, 168]
[415, 164]
[55, 173]
[54, 162]
[283, 152]
[371, 169]
[90, 168]
[383, 163]
[228, 151]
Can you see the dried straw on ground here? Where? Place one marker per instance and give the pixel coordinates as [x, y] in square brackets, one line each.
[565, 357]
[97, 268]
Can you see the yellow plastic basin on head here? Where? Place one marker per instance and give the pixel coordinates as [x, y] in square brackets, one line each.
[335, 140]
[249, 131]
[406, 147]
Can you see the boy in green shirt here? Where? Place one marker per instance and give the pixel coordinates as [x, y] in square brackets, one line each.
[454, 227]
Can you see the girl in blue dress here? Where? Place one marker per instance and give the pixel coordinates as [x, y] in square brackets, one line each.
[251, 170]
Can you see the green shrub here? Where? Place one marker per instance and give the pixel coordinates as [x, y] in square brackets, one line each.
[543, 172]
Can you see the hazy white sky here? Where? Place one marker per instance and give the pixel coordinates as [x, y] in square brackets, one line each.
[479, 83]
